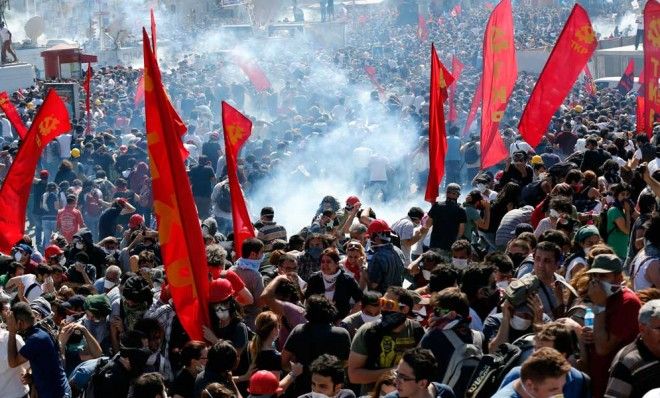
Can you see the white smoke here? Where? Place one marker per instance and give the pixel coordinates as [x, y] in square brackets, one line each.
[605, 25]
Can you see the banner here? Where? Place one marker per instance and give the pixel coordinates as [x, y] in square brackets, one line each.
[51, 121]
[422, 29]
[651, 65]
[12, 115]
[179, 232]
[253, 71]
[139, 92]
[237, 129]
[575, 45]
[474, 106]
[371, 73]
[500, 71]
[456, 70]
[589, 85]
[627, 79]
[88, 89]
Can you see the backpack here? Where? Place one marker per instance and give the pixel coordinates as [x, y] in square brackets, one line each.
[223, 199]
[602, 225]
[532, 194]
[96, 386]
[491, 370]
[463, 362]
[471, 154]
[92, 205]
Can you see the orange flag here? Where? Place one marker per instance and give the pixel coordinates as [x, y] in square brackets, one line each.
[441, 79]
[567, 60]
[499, 76]
[237, 129]
[182, 245]
[51, 121]
[12, 115]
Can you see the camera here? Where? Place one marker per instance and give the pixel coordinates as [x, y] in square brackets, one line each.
[519, 290]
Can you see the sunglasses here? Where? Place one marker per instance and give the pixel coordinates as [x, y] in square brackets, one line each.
[389, 305]
[351, 246]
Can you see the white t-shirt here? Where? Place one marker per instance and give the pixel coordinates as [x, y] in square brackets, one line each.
[4, 34]
[28, 280]
[10, 379]
[6, 127]
[653, 165]
[65, 145]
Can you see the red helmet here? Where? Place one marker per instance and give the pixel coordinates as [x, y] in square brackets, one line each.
[264, 382]
[220, 290]
[378, 227]
[52, 251]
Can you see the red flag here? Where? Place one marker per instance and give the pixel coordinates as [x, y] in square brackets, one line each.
[182, 245]
[641, 121]
[253, 71]
[139, 92]
[589, 84]
[476, 102]
[237, 129]
[422, 29]
[87, 87]
[456, 70]
[499, 76]
[371, 72]
[440, 80]
[627, 79]
[12, 115]
[651, 65]
[153, 31]
[51, 121]
[568, 58]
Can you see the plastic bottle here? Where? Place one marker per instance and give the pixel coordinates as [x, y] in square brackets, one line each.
[589, 318]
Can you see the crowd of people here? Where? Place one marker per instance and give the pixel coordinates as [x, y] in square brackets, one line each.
[536, 278]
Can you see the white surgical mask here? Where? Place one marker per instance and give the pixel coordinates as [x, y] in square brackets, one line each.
[62, 260]
[519, 323]
[79, 245]
[610, 288]
[18, 256]
[222, 315]
[460, 263]
[502, 284]
[481, 188]
[426, 274]
[108, 284]
[369, 318]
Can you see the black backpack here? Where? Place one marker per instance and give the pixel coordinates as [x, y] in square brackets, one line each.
[96, 382]
[471, 153]
[491, 370]
[602, 225]
[532, 194]
[463, 362]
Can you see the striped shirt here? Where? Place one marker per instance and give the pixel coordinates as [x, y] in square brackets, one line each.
[269, 232]
[634, 372]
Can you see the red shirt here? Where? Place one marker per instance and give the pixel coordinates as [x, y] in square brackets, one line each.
[620, 320]
[69, 221]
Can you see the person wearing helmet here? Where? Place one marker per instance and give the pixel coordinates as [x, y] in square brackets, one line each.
[385, 260]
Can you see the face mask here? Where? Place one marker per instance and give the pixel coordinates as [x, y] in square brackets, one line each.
[391, 320]
[18, 256]
[108, 284]
[426, 274]
[80, 245]
[315, 252]
[519, 323]
[460, 263]
[502, 285]
[222, 315]
[610, 288]
[62, 261]
[481, 188]
[369, 318]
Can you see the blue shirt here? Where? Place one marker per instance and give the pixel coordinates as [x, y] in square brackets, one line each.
[453, 148]
[47, 371]
[507, 392]
[574, 388]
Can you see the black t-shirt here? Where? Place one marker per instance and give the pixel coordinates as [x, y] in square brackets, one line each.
[183, 384]
[201, 178]
[447, 217]
[269, 360]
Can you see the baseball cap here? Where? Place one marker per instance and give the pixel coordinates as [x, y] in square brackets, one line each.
[52, 250]
[606, 263]
[44, 173]
[537, 159]
[453, 187]
[377, 227]
[220, 290]
[352, 200]
[41, 306]
[264, 382]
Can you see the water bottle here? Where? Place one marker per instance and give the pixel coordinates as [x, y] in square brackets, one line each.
[589, 319]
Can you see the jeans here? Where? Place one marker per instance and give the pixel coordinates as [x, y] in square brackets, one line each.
[48, 226]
